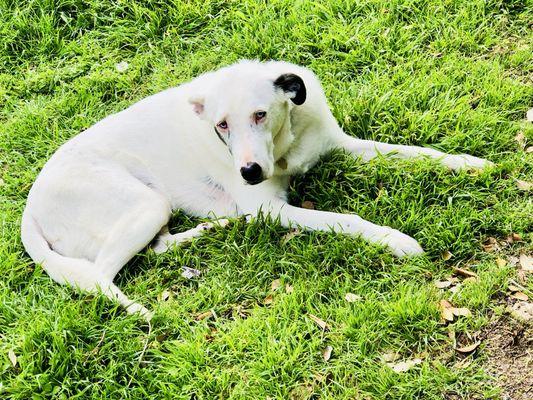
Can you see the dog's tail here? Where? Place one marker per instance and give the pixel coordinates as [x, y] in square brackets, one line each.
[76, 272]
[64, 270]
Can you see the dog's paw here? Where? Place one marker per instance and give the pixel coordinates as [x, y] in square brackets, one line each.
[400, 244]
[465, 161]
[159, 247]
[206, 226]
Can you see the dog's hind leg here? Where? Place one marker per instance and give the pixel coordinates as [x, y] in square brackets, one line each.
[368, 149]
[165, 240]
[130, 234]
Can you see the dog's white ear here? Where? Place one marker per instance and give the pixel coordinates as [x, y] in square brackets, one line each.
[197, 104]
[292, 85]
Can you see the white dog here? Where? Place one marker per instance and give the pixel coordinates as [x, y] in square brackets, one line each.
[224, 144]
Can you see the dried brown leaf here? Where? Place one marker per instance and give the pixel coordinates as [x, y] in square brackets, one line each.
[289, 235]
[513, 288]
[514, 261]
[468, 349]
[308, 204]
[327, 353]
[522, 311]
[204, 315]
[321, 323]
[522, 276]
[189, 273]
[447, 314]
[526, 263]
[390, 357]
[520, 296]
[268, 300]
[490, 245]
[465, 272]
[500, 262]
[351, 297]
[276, 284]
[445, 304]
[122, 66]
[514, 237]
[520, 139]
[12, 357]
[456, 288]
[524, 185]
[443, 284]
[446, 310]
[289, 289]
[404, 366]
[461, 311]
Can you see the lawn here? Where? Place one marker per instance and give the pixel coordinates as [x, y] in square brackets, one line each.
[454, 75]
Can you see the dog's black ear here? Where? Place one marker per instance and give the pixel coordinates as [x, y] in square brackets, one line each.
[294, 86]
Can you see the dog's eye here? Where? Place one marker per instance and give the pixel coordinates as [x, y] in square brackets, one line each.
[223, 125]
[260, 115]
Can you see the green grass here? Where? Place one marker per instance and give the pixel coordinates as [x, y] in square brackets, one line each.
[456, 75]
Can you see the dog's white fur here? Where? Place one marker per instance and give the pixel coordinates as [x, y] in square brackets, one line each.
[106, 193]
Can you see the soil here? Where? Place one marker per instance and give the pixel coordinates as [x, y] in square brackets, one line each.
[509, 348]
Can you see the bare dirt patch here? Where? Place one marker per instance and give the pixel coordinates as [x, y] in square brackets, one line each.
[509, 347]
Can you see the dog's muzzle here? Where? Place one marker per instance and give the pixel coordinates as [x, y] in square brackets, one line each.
[252, 173]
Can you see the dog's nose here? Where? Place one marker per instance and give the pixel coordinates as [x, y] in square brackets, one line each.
[252, 173]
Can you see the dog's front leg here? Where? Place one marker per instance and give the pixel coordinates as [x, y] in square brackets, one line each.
[165, 240]
[399, 243]
[368, 149]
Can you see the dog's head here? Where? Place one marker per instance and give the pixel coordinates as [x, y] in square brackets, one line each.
[249, 110]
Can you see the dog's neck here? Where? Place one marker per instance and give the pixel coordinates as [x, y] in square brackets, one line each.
[287, 157]
[284, 137]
